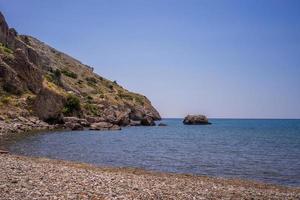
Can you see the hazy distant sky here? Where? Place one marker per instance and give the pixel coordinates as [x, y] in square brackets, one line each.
[221, 58]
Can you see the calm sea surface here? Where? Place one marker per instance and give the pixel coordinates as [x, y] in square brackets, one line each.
[263, 150]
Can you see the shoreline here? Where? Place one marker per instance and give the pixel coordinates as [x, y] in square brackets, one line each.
[37, 177]
[22, 176]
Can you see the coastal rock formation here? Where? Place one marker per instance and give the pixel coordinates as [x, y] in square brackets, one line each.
[135, 123]
[26, 72]
[196, 120]
[22, 124]
[37, 80]
[104, 126]
[48, 105]
[82, 122]
[10, 81]
[75, 123]
[73, 126]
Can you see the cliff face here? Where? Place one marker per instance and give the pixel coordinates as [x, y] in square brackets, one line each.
[38, 80]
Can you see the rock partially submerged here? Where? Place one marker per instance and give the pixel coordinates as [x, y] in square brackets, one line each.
[196, 120]
[162, 124]
[104, 126]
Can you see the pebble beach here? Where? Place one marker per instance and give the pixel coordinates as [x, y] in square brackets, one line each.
[40, 178]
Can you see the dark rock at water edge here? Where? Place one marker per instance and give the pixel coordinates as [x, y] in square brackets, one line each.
[73, 126]
[147, 121]
[82, 122]
[104, 126]
[196, 120]
[3, 152]
[162, 124]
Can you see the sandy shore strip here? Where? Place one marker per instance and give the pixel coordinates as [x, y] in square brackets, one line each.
[40, 178]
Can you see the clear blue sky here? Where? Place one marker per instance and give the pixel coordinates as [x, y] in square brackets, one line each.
[221, 58]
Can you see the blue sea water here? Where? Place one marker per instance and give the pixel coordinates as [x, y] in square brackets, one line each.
[262, 150]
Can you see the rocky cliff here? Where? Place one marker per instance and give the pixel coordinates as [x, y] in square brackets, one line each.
[37, 80]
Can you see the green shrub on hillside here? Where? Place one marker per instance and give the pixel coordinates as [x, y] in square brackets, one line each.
[89, 98]
[5, 100]
[91, 81]
[69, 74]
[126, 96]
[139, 100]
[49, 78]
[92, 109]
[130, 97]
[5, 49]
[72, 105]
[57, 74]
[30, 99]
[54, 77]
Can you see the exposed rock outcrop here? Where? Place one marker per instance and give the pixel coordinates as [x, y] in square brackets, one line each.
[82, 122]
[48, 106]
[27, 73]
[196, 120]
[147, 121]
[135, 123]
[4, 30]
[75, 123]
[10, 81]
[22, 124]
[73, 126]
[92, 120]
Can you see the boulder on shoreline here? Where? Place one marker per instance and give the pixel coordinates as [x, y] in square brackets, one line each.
[22, 125]
[81, 121]
[104, 126]
[3, 152]
[73, 126]
[196, 120]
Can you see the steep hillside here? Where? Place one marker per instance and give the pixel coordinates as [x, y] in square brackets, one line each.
[38, 80]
